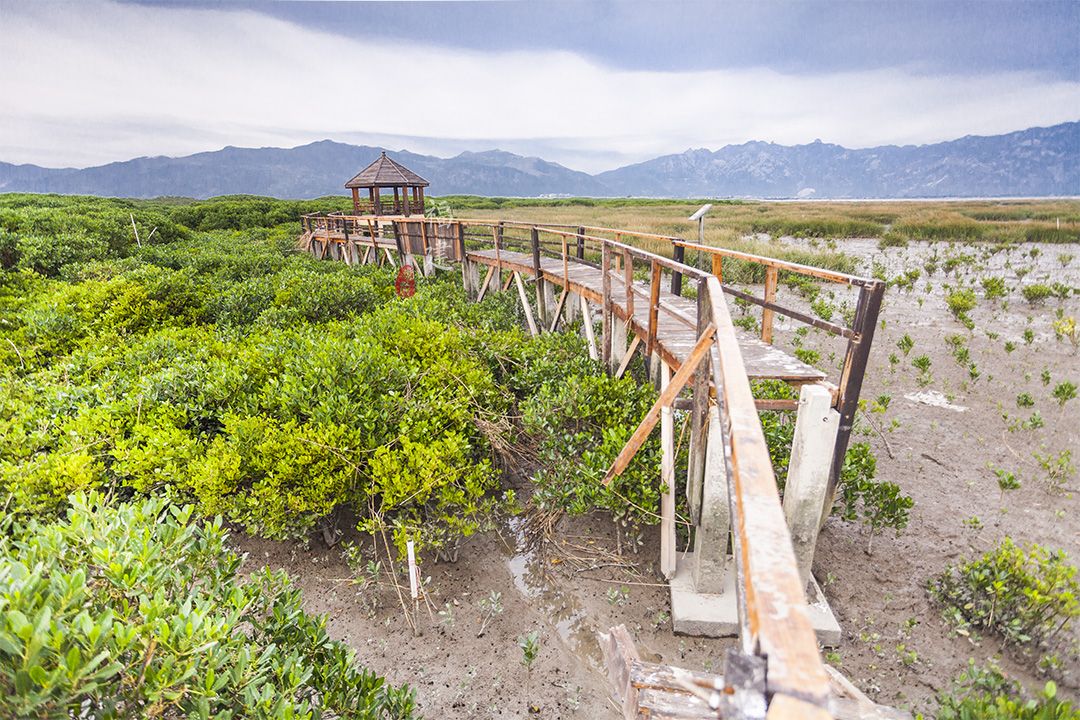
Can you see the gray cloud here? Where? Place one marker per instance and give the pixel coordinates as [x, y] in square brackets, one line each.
[102, 81]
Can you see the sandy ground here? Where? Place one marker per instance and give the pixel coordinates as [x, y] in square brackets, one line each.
[895, 646]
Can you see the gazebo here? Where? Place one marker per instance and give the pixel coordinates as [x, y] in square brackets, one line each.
[387, 173]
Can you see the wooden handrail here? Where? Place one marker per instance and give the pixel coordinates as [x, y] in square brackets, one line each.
[777, 624]
[820, 273]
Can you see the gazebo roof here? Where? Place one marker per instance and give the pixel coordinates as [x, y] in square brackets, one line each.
[385, 172]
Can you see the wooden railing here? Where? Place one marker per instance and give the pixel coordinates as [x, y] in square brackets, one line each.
[773, 618]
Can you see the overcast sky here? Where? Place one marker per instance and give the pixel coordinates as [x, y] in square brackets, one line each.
[592, 85]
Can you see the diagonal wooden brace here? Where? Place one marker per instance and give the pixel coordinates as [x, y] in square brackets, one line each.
[667, 397]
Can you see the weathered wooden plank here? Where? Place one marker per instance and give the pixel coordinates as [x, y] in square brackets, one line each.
[484, 285]
[525, 305]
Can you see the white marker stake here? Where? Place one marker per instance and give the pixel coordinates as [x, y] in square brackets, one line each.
[414, 586]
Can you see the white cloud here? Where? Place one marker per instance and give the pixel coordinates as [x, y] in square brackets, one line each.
[90, 83]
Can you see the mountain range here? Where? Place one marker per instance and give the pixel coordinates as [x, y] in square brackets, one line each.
[1029, 163]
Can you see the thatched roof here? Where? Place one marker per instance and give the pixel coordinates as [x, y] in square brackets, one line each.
[385, 172]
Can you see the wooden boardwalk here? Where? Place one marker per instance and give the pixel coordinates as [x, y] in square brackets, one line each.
[702, 364]
[677, 316]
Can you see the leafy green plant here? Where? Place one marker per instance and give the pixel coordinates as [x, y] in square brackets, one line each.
[878, 504]
[1036, 293]
[905, 344]
[1024, 400]
[1006, 481]
[1027, 596]
[121, 611]
[960, 302]
[1064, 391]
[994, 287]
[985, 693]
[922, 364]
[1058, 468]
[579, 426]
[1065, 328]
[808, 356]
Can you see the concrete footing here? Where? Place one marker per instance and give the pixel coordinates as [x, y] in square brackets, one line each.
[717, 615]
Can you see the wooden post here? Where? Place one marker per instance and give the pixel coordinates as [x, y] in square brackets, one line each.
[851, 378]
[376, 203]
[628, 280]
[581, 243]
[770, 297]
[718, 266]
[356, 200]
[654, 309]
[420, 199]
[698, 416]
[403, 256]
[679, 255]
[605, 284]
[541, 309]
[667, 479]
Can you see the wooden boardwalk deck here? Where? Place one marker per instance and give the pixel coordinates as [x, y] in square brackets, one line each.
[677, 317]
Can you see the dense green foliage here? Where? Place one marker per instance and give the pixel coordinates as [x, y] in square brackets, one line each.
[225, 370]
[132, 611]
[986, 694]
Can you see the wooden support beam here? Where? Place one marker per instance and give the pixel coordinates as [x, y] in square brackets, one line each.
[628, 357]
[525, 304]
[667, 396]
[718, 267]
[557, 315]
[506, 283]
[628, 280]
[484, 285]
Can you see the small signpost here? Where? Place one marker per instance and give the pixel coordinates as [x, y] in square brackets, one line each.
[680, 251]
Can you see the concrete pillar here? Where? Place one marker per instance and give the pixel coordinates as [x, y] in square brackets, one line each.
[571, 309]
[816, 425]
[711, 535]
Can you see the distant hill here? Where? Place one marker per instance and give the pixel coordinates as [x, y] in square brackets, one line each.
[1034, 162]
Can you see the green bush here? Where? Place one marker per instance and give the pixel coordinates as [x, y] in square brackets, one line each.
[994, 287]
[986, 694]
[1036, 293]
[579, 426]
[133, 611]
[961, 301]
[1027, 596]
